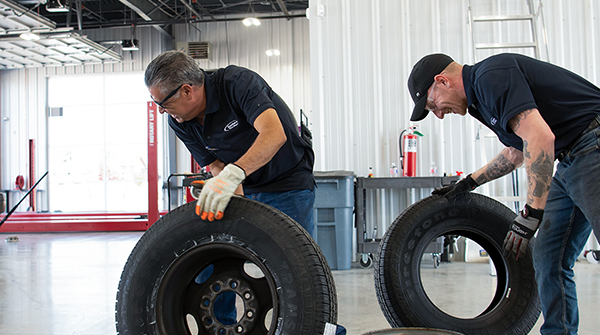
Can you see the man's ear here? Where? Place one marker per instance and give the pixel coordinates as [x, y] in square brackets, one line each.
[441, 79]
[187, 90]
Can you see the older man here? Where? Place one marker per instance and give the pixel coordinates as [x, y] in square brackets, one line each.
[232, 121]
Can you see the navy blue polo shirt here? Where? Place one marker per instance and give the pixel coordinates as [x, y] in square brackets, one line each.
[502, 86]
[235, 97]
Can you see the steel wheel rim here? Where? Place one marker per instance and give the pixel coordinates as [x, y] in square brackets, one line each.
[179, 294]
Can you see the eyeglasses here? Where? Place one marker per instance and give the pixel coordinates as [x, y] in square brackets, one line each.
[168, 96]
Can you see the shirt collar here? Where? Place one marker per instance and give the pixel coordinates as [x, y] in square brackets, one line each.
[470, 93]
[466, 73]
[212, 99]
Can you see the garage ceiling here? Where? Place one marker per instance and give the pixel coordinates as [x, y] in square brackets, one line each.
[58, 24]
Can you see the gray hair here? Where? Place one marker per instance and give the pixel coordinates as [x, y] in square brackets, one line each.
[171, 69]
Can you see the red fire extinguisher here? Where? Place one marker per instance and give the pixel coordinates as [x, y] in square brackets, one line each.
[408, 151]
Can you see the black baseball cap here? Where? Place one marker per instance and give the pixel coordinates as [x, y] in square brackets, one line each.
[421, 78]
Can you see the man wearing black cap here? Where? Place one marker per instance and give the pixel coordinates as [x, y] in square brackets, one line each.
[541, 113]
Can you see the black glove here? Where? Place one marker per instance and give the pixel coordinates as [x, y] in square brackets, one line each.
[466, 184]
[521, 231]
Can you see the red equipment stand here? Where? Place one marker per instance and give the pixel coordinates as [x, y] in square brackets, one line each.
[32, 222]
[152, 164]
[32, 174]
[95, 221]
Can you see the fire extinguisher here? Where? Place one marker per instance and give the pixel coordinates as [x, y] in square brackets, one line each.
[408, 151]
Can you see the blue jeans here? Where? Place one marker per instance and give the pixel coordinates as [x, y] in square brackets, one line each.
[297, 204]
[571, 213]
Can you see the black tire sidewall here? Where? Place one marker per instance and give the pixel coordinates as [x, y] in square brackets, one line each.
[397, 274]
[300, 272]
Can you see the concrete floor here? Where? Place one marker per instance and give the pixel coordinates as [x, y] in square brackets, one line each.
[65, 283]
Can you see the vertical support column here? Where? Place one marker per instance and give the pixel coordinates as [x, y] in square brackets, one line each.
[31, 174]
[196, 168]
[152, 164]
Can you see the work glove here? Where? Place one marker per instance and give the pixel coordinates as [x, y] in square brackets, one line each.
[521, 231]
[217, 191]
[467, 184]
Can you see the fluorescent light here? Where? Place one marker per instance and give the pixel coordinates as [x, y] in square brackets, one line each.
[249, 21]
[29, 36]
[273, 52]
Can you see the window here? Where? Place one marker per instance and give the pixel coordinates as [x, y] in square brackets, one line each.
[97, 149]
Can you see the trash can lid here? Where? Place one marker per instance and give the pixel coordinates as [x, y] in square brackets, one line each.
[334, 174]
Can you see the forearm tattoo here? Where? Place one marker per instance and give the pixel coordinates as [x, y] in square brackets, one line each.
[539, 173]
[496, 168]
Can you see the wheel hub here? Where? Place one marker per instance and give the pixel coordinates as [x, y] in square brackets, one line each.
[221, 285]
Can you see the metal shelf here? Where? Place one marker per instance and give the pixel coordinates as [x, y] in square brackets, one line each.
[362, 184]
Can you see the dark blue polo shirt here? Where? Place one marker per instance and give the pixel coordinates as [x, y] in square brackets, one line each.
[235, 98]
[505, 85]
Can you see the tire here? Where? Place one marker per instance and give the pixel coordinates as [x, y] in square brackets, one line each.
[160, 288]
[515, 306]
[412, 331]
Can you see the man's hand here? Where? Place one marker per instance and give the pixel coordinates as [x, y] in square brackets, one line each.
[521, 231]
[466, 184]
[217, 192]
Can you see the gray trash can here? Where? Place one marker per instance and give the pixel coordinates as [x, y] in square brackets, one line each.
[334, 205]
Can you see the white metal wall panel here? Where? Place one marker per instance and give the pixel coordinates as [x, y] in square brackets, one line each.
[20, 103]
[361, 56]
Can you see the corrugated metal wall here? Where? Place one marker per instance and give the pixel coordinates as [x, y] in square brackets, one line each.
[348, 70]
[361, 56]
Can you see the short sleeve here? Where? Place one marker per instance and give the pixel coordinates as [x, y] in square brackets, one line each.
[506, 93]
[251, 93]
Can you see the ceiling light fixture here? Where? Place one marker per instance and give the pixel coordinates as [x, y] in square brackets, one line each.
[29, 36]
[273, 52]
[55, 6]
[130, 45]
[251, 21]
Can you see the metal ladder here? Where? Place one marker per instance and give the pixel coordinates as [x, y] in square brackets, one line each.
[530, 17]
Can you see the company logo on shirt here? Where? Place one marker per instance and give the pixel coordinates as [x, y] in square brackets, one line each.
[231, 125]
[493, 121]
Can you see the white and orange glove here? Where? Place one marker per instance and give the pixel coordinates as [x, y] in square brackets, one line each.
[217, 191]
